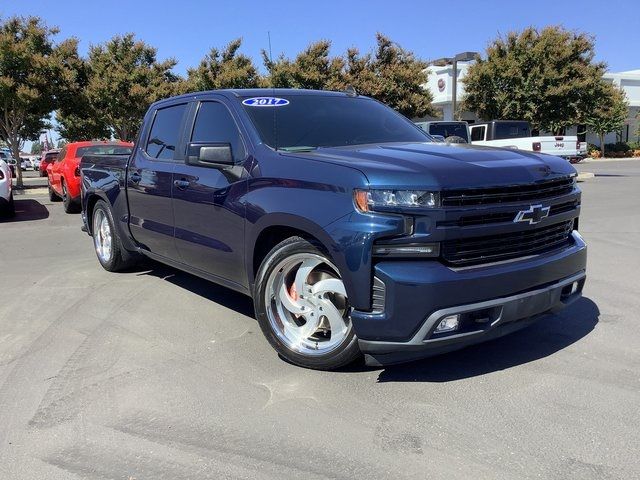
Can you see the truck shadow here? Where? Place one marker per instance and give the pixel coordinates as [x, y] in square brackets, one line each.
[537, 341]
[27, 210]
[540, 340]
[206, 289]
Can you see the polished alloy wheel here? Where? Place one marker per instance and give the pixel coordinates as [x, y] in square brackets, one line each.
[102, 237]
[306, 304]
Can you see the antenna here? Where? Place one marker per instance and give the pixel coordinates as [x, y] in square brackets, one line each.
[270, 56]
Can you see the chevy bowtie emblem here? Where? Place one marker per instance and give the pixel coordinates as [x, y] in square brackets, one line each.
[534, 215]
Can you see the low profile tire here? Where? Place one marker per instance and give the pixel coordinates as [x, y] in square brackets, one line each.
[69, 205]
[53, 196]
[109, 250]
[302, 306]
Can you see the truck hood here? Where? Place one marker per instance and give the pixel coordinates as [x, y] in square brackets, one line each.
[443, 166]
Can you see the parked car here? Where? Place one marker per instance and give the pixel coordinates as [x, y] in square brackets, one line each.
[46, 158]
[353, 232]
[516, 134]
[64, 173]
[4, 155]
[7, 207]
[25, 163]
[457, 132]
[36, 164]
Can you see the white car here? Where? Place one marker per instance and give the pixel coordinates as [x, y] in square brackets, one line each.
[25, 164]
[6, 194]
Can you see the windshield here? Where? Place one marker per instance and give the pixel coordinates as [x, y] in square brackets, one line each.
[311, 121]
[449, 130]
[104, 150]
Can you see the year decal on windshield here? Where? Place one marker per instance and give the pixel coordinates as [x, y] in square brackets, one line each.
[265, 102]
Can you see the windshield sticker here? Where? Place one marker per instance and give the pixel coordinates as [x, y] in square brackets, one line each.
[265, 102]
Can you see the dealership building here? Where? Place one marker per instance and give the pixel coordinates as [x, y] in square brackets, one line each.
[440, 83]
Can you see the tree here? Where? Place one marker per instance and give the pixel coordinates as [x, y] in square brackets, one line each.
[392, 75]
[77, 119]
[125, 77]
[609, 114]
[226, 69]
[32, 74]
[546, 77]
[37, 147]
[313, 68]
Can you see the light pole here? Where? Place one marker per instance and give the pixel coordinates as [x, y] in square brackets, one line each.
[459, 57]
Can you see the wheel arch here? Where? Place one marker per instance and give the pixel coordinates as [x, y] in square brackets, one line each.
[275, 228]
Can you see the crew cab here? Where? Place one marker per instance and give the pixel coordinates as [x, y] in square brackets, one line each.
[64, 172]
[516, 134]
[351, 229]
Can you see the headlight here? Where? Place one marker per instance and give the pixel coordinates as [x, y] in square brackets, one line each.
[367, 200]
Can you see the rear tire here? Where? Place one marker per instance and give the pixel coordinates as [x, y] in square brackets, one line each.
[53, 196]
[69, 205]
[111, 254]
[10, 209]
[310, 327]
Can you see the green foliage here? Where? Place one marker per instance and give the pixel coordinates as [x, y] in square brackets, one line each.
[226, 69]
[33, 75]
[547, 77]
[390, 74]
[77, 119]
[609, 113]
[36, 147]
[313, 68]
[125, 78]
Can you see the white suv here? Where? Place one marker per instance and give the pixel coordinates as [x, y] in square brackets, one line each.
[6, 195]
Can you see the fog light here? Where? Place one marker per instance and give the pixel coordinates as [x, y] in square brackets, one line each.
[574, 288]
[448, 324]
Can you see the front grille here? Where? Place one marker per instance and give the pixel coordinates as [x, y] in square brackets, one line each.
[502, 217]
[493, 248]
[513, 193]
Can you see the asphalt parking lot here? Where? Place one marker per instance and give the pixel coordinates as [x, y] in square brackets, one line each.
[156, 374]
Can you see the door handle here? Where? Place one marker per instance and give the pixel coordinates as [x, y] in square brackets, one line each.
[135, 177]
[181, 184]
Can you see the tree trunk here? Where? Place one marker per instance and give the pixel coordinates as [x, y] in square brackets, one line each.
[602, 144]
[14, 143]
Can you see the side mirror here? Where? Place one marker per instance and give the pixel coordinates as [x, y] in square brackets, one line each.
[212, 155]
[438, 138]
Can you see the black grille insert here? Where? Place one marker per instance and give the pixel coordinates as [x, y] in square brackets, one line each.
[502, 217]
[513, 193]
[493, 248]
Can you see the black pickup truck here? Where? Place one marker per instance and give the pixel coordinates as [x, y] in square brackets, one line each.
[351, 229]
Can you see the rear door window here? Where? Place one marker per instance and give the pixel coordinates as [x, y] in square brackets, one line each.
[165, 132]
[477, 133]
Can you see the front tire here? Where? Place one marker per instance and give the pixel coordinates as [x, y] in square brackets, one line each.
[302, 306]
[111, 254]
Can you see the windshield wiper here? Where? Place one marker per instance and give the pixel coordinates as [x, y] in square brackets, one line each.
[300, 148]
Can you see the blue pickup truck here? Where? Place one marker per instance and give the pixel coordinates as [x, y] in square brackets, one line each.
[354, 233]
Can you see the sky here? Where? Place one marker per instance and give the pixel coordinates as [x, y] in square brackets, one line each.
[186, 30]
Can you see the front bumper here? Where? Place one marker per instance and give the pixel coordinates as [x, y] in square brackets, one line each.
[492, 301]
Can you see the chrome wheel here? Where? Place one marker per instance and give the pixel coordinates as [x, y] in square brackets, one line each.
[306, 304]
[102, 238]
